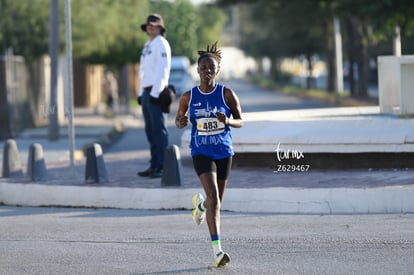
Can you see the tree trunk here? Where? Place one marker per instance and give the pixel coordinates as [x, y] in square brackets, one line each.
[309, 79]
[351, 49]
[5, 132]
[363, 62]
[259, 62]
[330, 56]
[124, 88]
[275, 68]
[363, 72]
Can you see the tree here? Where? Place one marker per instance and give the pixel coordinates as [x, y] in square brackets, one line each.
[189, 27]
[24, 28]
[211, 20]
[366, 24]
[108, 32]
[23, 31]
[280, 28]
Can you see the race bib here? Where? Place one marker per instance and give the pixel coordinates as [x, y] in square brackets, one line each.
[209, 126]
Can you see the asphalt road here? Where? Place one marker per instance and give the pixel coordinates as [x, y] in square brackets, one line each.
[110, 241]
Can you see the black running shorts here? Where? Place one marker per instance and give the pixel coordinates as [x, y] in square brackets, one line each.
[204, 164]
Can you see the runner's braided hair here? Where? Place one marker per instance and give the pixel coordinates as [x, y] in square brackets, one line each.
[210, 52]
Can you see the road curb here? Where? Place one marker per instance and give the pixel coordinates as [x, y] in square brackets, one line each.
[395, 199]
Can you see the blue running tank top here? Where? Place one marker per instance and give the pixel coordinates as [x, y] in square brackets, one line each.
[209, 137]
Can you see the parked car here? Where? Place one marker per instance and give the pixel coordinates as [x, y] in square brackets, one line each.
[180, 75]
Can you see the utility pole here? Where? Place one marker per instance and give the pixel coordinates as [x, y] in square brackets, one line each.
[53, 128]
[71, 127]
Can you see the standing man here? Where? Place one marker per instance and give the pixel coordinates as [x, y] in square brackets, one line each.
[154, 72]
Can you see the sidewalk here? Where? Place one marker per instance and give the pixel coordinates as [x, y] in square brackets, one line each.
[250, 189]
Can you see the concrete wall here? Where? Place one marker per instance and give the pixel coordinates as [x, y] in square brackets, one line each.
[25, 91]
[396, 84]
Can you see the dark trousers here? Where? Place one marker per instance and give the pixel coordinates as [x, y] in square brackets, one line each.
[156, 130]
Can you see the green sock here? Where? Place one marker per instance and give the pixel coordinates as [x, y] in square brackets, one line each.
[215, 241]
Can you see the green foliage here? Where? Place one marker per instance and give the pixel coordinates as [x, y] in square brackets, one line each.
[179, 17]
[24, 27]
[189, 27]
[382, 15]
[107, 32]
[292, 27]
[212, 20]
[282, 28]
